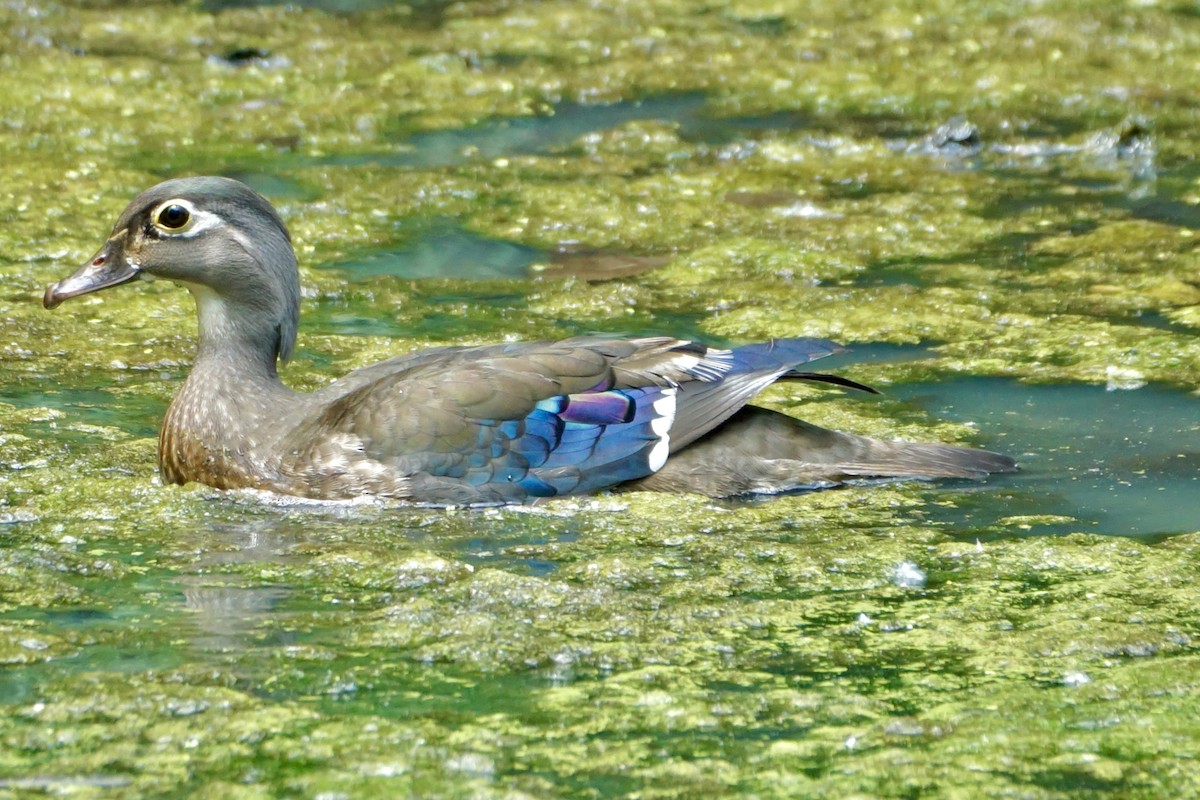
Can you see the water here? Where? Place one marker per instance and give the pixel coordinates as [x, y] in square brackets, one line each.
[168, 642]
[94, 406]
[1116, 462]
[530, 135]
[442, 249]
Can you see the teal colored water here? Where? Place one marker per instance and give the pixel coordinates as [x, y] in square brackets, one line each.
[1124, 462]
[561, 127]
[128, 411]
[1115, 461]
[443, 250]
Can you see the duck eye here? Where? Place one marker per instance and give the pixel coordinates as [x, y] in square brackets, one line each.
[173, 217]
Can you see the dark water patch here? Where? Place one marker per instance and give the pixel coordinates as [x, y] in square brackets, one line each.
[1032, 193]
[1166, 200]
[443, 325]
[138, 654]
[875, 353]
[128, 631]
[565, 123]
[512, 136]
[261, 177]
[496, 296]
[1166, 210]
[442, 249]
[445, 310]
[78, 618]
[1154, 319]
[1177, 178]
[336, 317]
[245, 56]
[1114, 462]
[1152, 201]
[1081, 782]
[277, 187]
[569, 121]
[453, 309]
[1015, 245]
[771, 26]
[892, 274]
[128, 411]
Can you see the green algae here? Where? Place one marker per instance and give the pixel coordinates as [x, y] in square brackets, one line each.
[671, 659]
[163, 642]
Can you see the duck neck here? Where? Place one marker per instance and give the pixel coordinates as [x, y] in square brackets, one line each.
[237, 339]
[219, 429]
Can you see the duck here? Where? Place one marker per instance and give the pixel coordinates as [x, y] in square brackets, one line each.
[494, 424]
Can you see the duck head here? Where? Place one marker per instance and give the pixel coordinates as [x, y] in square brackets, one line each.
[222, 241]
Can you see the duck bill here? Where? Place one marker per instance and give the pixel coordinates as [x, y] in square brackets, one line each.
[109, 267]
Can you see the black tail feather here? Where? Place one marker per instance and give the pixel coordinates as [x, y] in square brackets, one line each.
[821, 377]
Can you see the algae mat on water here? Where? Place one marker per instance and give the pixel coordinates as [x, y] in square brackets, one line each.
[753, 169]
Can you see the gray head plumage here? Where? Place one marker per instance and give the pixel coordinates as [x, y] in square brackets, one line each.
[220, 239]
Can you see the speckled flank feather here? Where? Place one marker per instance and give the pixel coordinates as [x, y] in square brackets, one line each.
[460, 425]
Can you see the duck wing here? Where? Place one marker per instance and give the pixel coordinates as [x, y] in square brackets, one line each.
[514, 422]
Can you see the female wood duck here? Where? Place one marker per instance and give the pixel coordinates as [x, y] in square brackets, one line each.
[461, 425]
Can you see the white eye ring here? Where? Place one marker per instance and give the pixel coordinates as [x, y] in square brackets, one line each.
[178, 217]
[173, 216]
